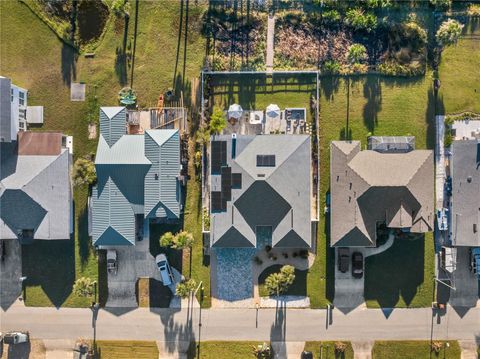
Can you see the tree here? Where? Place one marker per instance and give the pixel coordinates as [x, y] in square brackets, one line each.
[202, 135]
[358, 19]
[217, 120]
[449, 32]
[84, 172]
[278, 283]
[357, 53]
[167, 239]
[183, 240]
[185, 288]
[441, 4]
[84, 287]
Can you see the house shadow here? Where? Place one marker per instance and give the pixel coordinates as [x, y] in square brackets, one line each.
[278, 330]
[50, 265]
[19, 351]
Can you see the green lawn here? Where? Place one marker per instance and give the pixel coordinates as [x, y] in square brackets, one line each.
[299, 286]
[413, 350]
[328, 350]
[221, 349]
[459, 73]
[402, 276]
[37, 60]
[116, 349]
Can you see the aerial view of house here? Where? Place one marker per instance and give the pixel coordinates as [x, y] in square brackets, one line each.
[390, 183]
[225, 179]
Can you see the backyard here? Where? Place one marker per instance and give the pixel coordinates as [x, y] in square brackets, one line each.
[414, 350]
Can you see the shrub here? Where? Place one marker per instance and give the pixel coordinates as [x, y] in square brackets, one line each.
[340, 347]
[84, 287]
[120, 7]
[185, 288]
[436, 347]
[304, 253]
[84, 172]
[183, 240]
[206, 219]
[474, 10]
[393, 68]
[167, 239]
[331, 67]
[217, 120]
[358, 19]
[441, 4]
[375, 3]
[257, 260]
[331, 16]
[448, 138]
[449, 32]
[268, 248]
[357, 53]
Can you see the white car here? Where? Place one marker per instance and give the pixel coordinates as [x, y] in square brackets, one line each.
[13, 338]
[165, 269]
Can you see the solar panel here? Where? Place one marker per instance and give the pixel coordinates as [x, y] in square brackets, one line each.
[265, 160]
[219, 155]
[226, 183]
[216, 198]
[236, 180]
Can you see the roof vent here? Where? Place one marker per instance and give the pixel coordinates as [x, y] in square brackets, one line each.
[156, 176]
[469, 179]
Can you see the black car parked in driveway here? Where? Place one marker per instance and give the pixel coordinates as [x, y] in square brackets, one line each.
[357, 265]
[343, 259]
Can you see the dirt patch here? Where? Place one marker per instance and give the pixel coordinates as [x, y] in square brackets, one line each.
[92, 131]
[92, 17]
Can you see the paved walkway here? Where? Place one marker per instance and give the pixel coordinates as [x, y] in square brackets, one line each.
[270, 42]
[439, 161]
[242, 324]
[287, 350]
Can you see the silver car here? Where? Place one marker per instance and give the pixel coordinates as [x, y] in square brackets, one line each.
[165, 269]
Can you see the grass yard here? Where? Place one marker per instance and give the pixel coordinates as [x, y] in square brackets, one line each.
[459, 75]
[223, 349]
[299, 286]
[166, 56]
[413, 350]
[328, 350]
[116, 349]
[402, 276]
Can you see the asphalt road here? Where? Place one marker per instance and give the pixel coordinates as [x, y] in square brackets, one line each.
[242, 324]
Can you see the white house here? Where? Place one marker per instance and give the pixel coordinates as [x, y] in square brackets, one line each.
[13, 110]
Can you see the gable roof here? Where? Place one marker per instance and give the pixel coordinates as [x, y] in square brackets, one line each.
[276, 195]
[136, 175]
[368, 187]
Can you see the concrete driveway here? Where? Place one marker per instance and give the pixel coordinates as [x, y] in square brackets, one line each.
[10, 273]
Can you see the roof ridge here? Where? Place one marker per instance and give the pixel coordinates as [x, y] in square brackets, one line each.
[421, 165]
[290, 155]
[43, 170]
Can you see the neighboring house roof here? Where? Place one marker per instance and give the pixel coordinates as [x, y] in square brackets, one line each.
[5, 109]
[368, 187]
[465, 166]
[35, 191]
[136, 175]
[251, 192]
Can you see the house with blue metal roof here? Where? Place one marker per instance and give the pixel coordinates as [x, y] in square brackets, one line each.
[137, 180]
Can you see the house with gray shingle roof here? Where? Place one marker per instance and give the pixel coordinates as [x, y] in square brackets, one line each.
[260, 181]
[137, 180]
[378, 187]
[35, 189]
[465, 209]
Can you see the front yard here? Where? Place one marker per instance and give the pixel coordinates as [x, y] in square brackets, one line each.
[414, 350]
[326, 349]
[116, 349]
[224, 349]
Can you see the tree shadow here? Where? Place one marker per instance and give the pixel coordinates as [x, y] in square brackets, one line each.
[372, 91]
[330, 262]
[179, 39]
[435, 107]
[51, 265]
[69, 61]
[396, 273]
[121, 56]
[278, 331]
[84, 242]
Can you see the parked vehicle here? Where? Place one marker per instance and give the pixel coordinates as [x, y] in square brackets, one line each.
[13, 338]
[357, 265]
[112, 261]
[165, 269]
[343, 259]
[475, 261]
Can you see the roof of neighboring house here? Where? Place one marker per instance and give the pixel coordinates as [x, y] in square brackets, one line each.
[35, 192]
[276, 194]
[368, 187]
[5, 109]
[136, 175]
[465, 214]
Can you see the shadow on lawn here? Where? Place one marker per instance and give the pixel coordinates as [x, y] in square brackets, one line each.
[396, 273]
[69, 62]
[51, 265]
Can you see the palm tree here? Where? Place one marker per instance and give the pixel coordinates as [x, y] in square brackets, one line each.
[84, 287]
[167, 239]
[183, 240]
[185, 288]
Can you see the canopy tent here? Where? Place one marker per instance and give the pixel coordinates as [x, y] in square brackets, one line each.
[273, 110]
[235, 111]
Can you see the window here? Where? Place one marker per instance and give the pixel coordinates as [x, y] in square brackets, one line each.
[21, 98]
[11, 95]
[265, 160]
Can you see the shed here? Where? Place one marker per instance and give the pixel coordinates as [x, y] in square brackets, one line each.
[35, 114]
